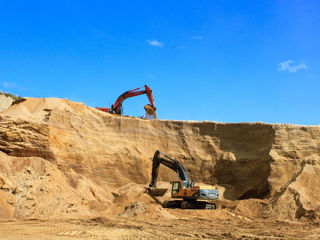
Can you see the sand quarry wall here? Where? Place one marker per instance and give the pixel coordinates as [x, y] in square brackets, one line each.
[64, 159]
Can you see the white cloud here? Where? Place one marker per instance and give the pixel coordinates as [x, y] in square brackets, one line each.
[311, 76]
[9, 84]
[155, 43]
[197, 37]
[291, 67]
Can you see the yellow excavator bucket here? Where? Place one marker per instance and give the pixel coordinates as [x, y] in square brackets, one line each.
[150, 111]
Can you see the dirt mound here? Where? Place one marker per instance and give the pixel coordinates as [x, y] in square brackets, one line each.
[61, 159]
[134, 209]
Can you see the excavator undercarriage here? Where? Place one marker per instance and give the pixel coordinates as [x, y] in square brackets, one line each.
[189, 204]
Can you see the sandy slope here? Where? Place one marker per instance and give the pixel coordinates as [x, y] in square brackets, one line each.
[64, 160]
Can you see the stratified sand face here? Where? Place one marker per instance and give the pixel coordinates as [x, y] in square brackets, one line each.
[62, 159]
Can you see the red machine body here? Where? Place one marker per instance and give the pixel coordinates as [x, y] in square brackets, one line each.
[116, 108]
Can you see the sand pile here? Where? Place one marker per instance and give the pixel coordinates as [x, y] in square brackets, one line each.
[61, 159]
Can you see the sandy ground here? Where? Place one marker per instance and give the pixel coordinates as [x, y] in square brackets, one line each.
[188, 224]
[136, 215]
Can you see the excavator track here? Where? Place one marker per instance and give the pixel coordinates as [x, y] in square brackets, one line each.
[189, 204]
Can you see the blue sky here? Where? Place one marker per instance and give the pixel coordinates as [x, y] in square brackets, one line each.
[225, 61]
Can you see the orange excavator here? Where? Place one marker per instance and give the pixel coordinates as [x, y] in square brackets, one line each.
[116, 108]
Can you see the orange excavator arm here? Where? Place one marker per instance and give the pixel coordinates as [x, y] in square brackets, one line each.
[117, 106]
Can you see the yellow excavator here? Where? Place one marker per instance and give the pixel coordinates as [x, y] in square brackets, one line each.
[192, 195]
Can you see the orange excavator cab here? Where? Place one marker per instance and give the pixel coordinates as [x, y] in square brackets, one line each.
[116, 108]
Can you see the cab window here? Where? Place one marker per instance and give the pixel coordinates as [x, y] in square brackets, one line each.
[185, 184]
[175, 187]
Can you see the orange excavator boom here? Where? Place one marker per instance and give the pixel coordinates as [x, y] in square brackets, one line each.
[116, 108]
